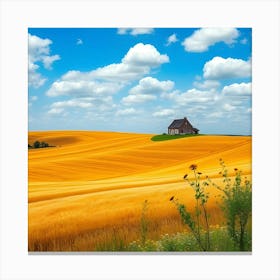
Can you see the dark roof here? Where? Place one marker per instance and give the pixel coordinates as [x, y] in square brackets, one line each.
[177, 123]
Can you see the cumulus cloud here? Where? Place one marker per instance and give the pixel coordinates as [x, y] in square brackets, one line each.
[138, 61]
[126, 112]
[207, 84]
[138, 98]
[146, 90]
[80, 87]
[55, 111]
[144, 55]
[135, 31]
[228, 107]
[203, 38]
[83, 103]
[39, 52]
[238, 89]
[149, 85]
[72, 103]
[195, 96]
[171, 39]
[164, 113]
[224, 68]
[107, 80]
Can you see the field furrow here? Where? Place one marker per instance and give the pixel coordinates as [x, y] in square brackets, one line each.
[91, 185]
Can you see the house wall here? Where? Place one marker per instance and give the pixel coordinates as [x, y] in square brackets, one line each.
[181, 130]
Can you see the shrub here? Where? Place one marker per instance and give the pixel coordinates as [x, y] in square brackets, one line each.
[236, 204]
[36, 145]
[237, 207]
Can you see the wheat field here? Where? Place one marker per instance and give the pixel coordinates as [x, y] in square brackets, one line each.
[87, 192]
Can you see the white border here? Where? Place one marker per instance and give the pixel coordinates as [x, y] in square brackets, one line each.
[17, 16]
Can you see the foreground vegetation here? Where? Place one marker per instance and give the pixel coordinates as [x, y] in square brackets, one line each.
[236, 203]
[185, 242]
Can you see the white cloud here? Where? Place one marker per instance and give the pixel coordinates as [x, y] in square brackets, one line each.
[81, 87]
[38, 52]
[203, 38]
[135, 31]
[138, 98]
[96, 104]
[149, 85]
[215, 115]
[138, 61]
[146, 90]
[144, 56]
[228, 107]
[35, 79]
[244, 41]
[48, 61]
[171, 39]
[55, 111]
[238, 89]
[72, 103]
[164, 113]
[126, 112]
[79, 42]
[223, 68]
[207, 84]
[194, 96]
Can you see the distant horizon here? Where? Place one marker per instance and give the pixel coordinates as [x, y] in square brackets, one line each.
[140, 79]
[130, 132]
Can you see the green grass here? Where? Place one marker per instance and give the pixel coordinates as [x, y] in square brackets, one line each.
[185, 242]
[166, 137]
[178, 242]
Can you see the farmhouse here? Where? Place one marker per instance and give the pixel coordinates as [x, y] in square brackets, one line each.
[182, 126]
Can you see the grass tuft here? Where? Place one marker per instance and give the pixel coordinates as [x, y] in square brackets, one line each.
[166, 137]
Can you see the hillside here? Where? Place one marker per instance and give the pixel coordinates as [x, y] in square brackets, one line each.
[94, 183]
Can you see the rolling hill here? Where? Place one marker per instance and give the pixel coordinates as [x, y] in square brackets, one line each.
[89, 189]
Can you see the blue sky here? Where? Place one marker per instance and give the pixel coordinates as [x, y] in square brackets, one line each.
[140, 79]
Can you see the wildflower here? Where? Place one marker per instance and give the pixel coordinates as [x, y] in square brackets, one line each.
[185, 177]
[199, 173]
[193, 167]
[171, 198]
[235, 169]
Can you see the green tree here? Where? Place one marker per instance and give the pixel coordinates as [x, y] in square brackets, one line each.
[36, 144]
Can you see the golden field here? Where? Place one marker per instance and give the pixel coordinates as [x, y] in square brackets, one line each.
[87, 192]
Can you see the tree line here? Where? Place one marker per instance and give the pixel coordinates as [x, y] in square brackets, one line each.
[37, 144]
